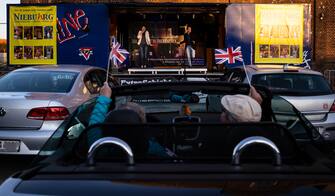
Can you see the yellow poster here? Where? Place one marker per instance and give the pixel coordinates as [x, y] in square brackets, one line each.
[279, 34]
[32, 35]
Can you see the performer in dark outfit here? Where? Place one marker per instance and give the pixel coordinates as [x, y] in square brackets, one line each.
[188, 45]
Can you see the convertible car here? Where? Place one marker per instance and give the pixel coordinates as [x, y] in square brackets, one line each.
[282, 154]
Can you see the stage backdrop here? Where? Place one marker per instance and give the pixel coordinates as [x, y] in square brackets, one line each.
[83, 34]
[31, 34]
[165, 50]
[241, 22]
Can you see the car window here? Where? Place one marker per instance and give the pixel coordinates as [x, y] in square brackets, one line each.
[38, 81]
[71, 127]
[93, 81]
[167, 102]
[234, 76]
[101, 76]
[295, 84]
[286, 115]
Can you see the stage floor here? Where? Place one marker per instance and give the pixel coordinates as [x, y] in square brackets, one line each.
[160, 70]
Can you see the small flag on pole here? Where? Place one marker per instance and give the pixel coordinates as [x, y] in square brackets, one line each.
[230, 55]
[116, 55]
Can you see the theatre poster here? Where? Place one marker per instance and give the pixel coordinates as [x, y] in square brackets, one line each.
[279, 33]
[32, 35]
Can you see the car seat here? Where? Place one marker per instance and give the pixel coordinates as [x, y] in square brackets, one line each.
[301, 84]
[43, 83]
[122, 124]
[280, 83]
[231, 134]
[262, 83]
[20, 84]
[132, 134]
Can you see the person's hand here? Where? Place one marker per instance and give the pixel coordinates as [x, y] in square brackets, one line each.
[106, 90]
[255, 95]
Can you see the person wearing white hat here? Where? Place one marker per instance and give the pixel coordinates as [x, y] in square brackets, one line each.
[241, 108]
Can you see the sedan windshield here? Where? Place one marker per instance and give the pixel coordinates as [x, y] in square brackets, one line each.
[38, 81]
[293, 83]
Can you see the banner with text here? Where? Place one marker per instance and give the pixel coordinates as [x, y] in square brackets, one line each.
[32, 35]
[279, 33]
[83, 34]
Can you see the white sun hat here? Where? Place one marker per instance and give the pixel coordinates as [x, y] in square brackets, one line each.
[242, 108]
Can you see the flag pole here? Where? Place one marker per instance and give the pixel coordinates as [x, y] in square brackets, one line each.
[246, 73]
[108, 66]
[251, 54]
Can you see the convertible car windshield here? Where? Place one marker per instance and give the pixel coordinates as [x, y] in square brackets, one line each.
[194, 135]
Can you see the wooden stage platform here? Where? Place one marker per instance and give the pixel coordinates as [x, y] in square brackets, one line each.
[156, 71]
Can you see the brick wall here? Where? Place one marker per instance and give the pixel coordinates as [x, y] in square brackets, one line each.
[325, 34]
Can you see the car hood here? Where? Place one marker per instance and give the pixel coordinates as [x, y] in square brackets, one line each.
[89, 187]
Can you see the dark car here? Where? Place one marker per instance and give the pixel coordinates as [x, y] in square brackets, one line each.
[282, 154]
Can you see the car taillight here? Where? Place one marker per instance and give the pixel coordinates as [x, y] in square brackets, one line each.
[332, 109]
[48, 113]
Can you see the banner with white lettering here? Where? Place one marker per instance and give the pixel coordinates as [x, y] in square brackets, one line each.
[83, 34]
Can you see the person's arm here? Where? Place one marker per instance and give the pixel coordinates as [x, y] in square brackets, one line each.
[255, 95]
[100, 110]
[148, 38]
[99, 113]
[139, 35]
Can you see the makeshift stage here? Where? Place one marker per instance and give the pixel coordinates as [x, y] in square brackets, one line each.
[156, 71]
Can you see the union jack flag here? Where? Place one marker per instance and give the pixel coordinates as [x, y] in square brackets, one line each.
[117, 55]
[230, 55]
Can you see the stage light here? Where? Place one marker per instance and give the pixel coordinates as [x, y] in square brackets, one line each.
[193, 16]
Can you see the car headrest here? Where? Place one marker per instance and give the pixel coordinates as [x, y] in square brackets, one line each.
[133, 135]
[123, 116]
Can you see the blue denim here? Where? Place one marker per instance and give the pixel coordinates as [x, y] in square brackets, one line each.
[144, 54]
[189, 55]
